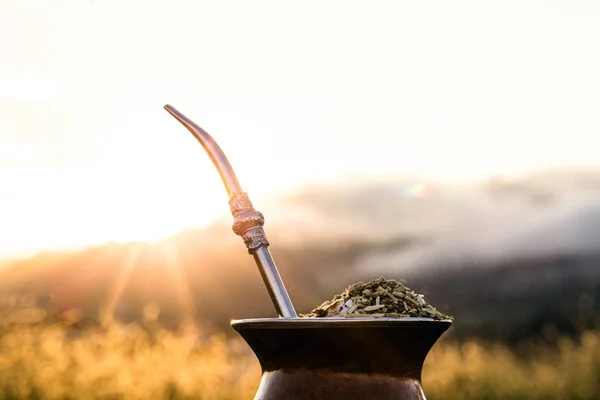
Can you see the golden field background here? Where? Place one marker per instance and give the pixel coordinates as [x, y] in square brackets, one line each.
[129, 362]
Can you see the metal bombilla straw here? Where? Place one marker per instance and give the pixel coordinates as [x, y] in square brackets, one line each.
[247, 222]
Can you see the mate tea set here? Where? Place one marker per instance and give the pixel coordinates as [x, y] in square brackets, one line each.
[369, 342]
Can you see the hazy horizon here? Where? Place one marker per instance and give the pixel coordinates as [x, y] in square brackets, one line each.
[549, 212]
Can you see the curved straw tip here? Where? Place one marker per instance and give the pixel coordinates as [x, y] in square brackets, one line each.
[170, 109]
[180, 117]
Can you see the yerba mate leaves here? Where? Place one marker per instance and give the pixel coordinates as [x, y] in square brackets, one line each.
[379, 298]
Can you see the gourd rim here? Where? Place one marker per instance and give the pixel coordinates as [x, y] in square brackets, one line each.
[326, 322]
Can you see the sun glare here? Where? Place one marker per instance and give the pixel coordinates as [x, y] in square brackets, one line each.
[145, 184]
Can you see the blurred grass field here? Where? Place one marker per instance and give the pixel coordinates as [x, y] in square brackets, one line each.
[129, 362]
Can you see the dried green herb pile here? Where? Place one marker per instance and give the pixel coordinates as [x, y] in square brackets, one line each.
[379, 298]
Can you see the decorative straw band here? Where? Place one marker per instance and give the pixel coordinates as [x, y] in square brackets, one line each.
[247, 222]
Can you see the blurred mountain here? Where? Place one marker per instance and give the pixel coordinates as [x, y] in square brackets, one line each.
[508, 258]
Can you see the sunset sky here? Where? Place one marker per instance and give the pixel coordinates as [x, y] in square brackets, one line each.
[294, 92]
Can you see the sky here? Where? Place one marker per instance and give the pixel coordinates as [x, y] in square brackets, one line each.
[294, 92]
